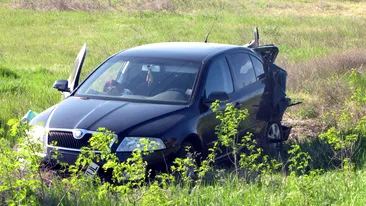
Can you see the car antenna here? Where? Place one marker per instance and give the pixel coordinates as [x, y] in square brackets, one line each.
[206, 40]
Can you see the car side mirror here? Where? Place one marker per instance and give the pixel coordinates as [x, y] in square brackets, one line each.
[61, 85]
[213, 96]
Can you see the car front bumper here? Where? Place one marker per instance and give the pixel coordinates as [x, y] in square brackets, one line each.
[158, 159]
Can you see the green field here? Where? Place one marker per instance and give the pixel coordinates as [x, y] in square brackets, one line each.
[320, 43]
[40, 46]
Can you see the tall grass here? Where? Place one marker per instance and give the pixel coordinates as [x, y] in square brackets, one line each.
[324, 81]
[301, 185]
[327, 189]
[40, 39]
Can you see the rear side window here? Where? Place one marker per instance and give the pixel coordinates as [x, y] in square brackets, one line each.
[258, 66]
[219, 78]
[243, 69]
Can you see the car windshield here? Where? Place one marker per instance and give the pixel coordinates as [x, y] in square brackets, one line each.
[142, 79]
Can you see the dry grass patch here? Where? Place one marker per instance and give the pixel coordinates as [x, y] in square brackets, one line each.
[63, 5]
[302, 75]
[135, 5]
[323, 83]
[151, 5]
[272, 7]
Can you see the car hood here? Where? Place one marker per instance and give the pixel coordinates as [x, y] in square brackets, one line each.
[117, 116]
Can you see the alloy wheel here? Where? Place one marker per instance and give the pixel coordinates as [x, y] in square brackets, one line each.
[274, 132]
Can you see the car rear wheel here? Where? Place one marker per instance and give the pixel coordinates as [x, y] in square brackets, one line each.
[272, 142]
[274, 131]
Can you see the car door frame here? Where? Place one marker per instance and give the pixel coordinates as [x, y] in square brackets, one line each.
[208, 113]
[74, 77]
[259, 124]
[252, 127]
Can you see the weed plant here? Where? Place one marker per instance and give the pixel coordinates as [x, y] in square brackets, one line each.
[255, 179]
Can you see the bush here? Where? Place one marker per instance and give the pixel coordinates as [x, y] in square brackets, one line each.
[21, 177]
[23, 181]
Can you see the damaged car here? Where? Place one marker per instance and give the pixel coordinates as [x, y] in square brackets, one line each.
[163, 92]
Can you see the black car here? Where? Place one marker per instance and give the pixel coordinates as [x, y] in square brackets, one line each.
[163, 92]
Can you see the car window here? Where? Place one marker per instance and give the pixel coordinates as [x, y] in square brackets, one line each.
[111, 73]
[243, 69]
[219, 78]
[142, 79]
[258, 66]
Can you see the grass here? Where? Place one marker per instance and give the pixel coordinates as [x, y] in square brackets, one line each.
[51, 39]
[278, 191]
[319, 41]
[297, 184]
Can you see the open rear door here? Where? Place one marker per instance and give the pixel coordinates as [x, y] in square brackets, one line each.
[73, 80]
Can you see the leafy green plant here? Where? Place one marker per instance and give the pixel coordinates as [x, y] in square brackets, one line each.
[358, 87]
[345, 139]
[185, 168]
[189, 171]
[128, 177]
[251, 161]
[129, 185]
[298, 161]
[207, 164]
[302, 190]
[227, 130]
[300, 185]
[21, 177]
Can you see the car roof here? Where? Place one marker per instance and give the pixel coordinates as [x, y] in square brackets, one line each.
[191, 51]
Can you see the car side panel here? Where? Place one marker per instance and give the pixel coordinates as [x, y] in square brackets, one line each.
[248, 97]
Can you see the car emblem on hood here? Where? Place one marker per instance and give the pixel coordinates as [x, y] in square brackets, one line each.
[78, 133]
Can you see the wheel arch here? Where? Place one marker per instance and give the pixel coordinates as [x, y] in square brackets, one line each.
[196, 141]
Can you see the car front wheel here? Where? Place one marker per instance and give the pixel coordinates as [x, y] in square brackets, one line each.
[187, 150]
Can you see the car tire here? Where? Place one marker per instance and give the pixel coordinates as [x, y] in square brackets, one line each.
[183, 153]
[272, 141]
[274, 131]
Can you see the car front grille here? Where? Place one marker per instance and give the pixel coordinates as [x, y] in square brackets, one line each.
[67, 140]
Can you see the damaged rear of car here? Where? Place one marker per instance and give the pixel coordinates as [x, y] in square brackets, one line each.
[274, 100]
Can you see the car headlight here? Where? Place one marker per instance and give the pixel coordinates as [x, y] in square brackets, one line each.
[130, 144]
[36, 134]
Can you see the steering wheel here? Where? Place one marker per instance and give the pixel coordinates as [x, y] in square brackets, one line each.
[177, 90]
[113, 87]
